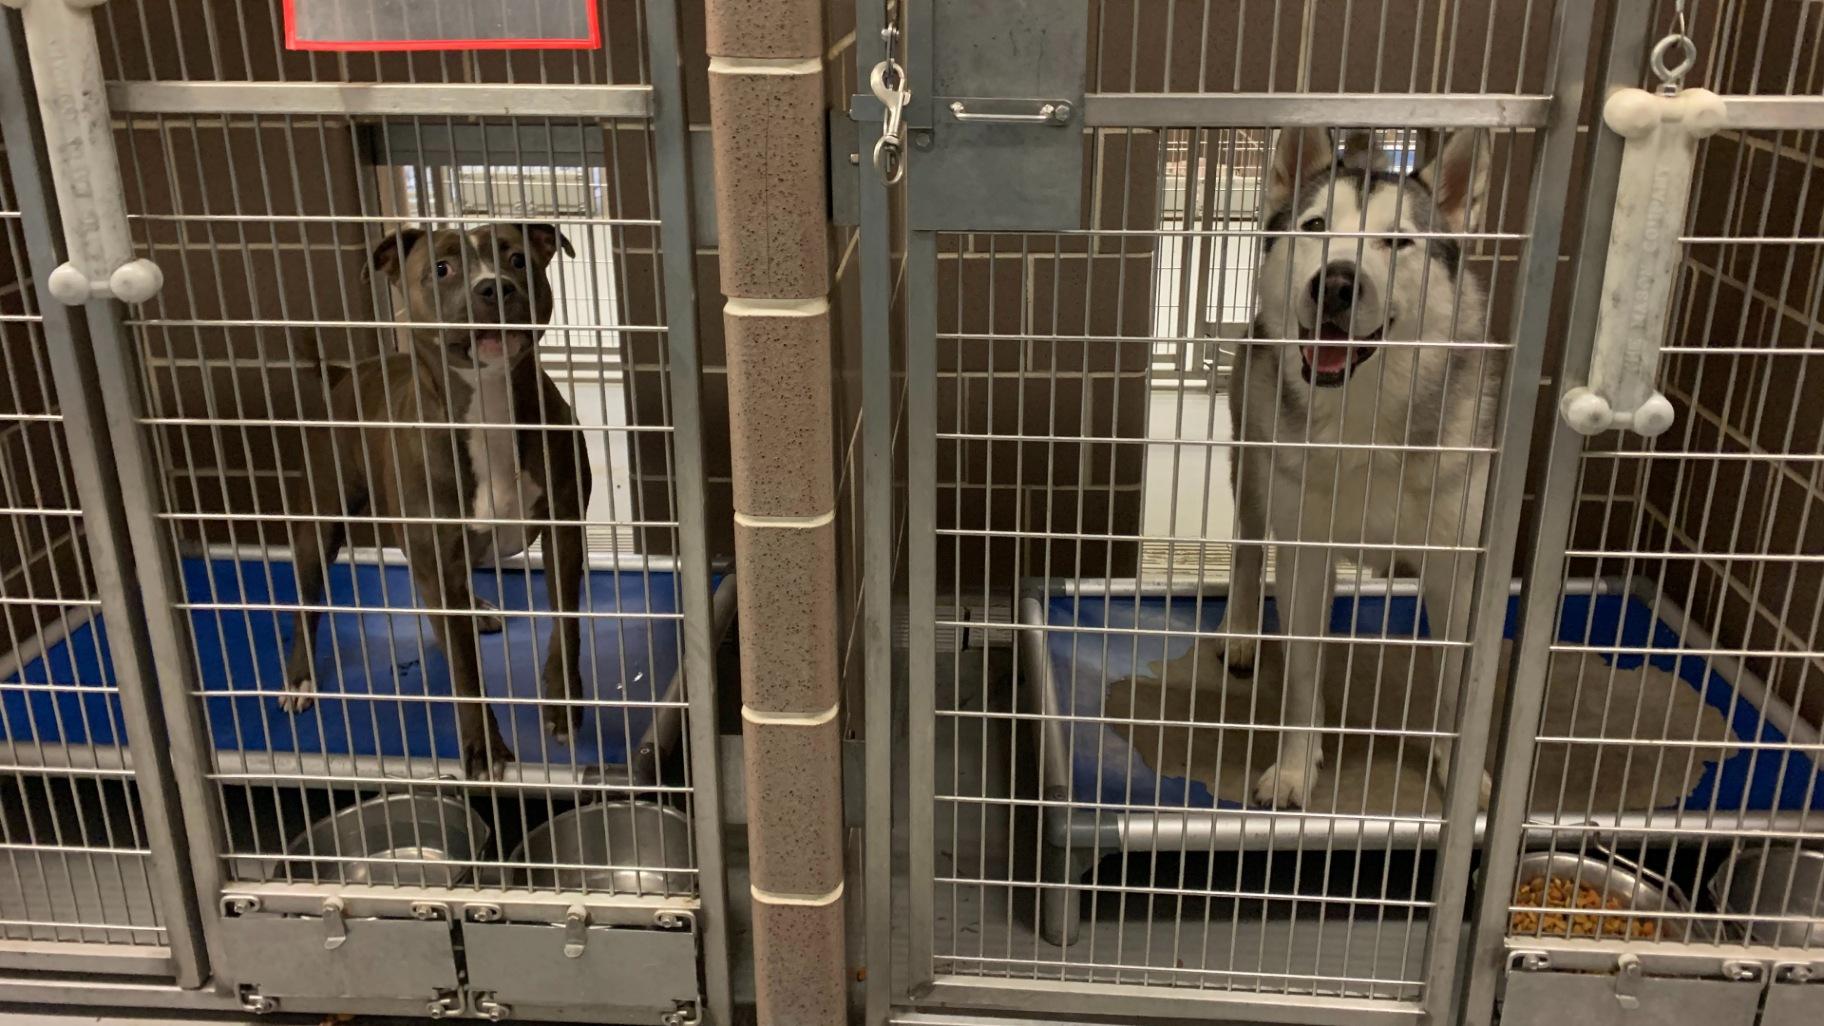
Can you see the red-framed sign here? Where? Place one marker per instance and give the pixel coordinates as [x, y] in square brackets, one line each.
[387, 25]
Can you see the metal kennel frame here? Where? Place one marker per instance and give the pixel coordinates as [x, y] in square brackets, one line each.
[260, 179]
[1033, 138]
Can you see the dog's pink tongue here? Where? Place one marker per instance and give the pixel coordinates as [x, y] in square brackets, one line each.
[1326, 359]
[490, 346]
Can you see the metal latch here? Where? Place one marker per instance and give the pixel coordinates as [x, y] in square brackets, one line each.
[576, 931]
[1628, 974]
[1013, 112]
[335, 928]
[684, 1015]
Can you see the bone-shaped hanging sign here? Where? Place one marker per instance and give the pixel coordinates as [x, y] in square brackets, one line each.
[1662, 131]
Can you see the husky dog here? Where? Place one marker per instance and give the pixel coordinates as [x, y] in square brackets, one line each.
[1352, 441]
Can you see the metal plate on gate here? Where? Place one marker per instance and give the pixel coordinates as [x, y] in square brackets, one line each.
[1003, 145]
[613, 975]
[1585, 999]
[291, 956]
[1794, 1004]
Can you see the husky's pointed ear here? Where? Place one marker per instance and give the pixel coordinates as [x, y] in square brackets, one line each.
[1459, 180]
[1300, 153]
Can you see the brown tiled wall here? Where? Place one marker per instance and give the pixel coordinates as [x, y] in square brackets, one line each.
[1754, 510]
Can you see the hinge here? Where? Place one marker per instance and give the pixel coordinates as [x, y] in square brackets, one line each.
[335, 927]
[490, 1009]
[1628, 974]
[576, 931]
[253, 1001]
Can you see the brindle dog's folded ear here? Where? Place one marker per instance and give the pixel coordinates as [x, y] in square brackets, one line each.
[544, 239]
[389, 256]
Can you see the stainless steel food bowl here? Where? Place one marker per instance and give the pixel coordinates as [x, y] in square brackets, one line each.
[1775, 881]
[1636, 888]
[413, 840]
[628, 847]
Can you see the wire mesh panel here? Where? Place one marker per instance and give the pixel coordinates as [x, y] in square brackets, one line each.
[1198, 654]
[75, 855]
[1675, 793]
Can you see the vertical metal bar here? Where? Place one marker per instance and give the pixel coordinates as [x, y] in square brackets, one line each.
[103, 534]
[161, 785]
[1501, 519]
[1557, 506]
[671, 142]
[874, 260]
[921, 584]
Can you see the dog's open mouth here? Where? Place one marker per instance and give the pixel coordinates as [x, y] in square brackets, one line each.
[1329, 361]
[494, 346]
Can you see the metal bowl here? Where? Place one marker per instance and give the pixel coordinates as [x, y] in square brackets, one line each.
[630, 847]
[1782, 880]
[413, 840]
[1637, 889]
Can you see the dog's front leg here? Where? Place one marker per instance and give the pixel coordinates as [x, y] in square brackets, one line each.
[564, 545]
[1310, 576]
[440, 569]
[1242, 619]
[565, 552]
[315, 544]
[1448, 583]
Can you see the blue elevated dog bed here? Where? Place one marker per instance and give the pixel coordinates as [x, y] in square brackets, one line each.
[382, 673]
[1105, 771]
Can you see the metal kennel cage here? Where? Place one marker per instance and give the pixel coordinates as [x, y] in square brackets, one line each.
[1073, 248]
[343, 860]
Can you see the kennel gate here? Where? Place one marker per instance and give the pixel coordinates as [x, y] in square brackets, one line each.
[1058, 160]
[341, 860]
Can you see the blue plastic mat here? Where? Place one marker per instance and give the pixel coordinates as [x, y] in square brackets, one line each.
[386, 663]
[1106, 769]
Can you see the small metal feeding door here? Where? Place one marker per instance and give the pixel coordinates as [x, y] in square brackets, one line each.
[405, 397]
[1661, 773]
[1254, 293]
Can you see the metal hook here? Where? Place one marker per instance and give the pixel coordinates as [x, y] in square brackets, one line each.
[1673, 77]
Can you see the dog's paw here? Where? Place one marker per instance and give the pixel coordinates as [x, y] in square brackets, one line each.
[1485, 787]
[561, 720]
[1238, 655]
[486, 760]
[1287, 785]
[487, 618]
[299, 695]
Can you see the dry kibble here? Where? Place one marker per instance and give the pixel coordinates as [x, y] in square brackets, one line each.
[1557, 892]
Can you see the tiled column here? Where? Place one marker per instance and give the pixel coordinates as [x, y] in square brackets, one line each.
[767, 117]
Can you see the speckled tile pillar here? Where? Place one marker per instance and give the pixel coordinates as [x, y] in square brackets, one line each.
[766, 95]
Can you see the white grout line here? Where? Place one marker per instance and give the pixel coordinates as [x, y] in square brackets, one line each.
[778, 307]
[766, 65]
[791, 719]
[766, 897]
[821, 520]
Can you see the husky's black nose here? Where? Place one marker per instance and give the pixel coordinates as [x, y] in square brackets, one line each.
[1333, 289]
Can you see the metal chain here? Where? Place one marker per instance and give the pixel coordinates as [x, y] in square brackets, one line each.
[1671, 79]
[888, 82]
